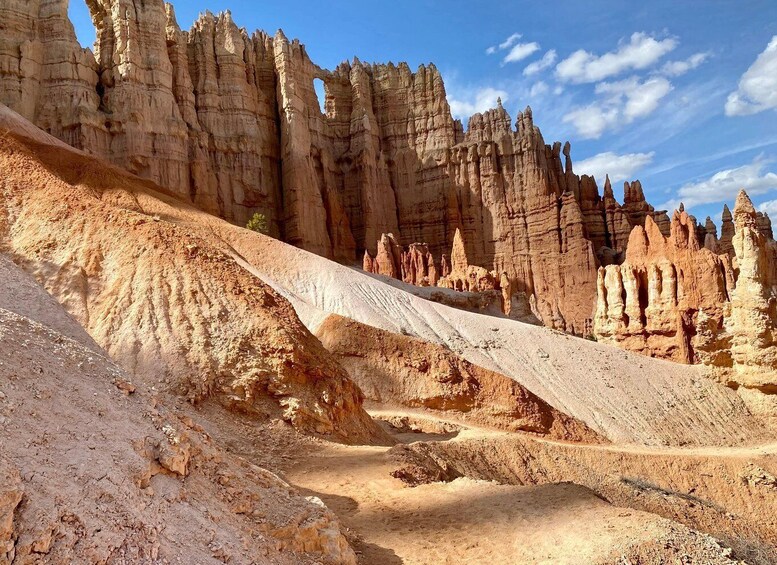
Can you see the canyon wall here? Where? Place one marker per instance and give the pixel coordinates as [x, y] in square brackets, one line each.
[231, 121]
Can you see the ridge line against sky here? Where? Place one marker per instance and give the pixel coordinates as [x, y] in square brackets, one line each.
[682, 95]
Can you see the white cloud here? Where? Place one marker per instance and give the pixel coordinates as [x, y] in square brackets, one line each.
[520, 51]
[510, 41]
[547, 60]
[677, 68]
[640, 52]
[725, 185]
[640, 98]
[591, 121]
[769, 207]
[619, 103]
[465, 103]
[619, 167]
[538, 89]
[506, 44]
[758, 86]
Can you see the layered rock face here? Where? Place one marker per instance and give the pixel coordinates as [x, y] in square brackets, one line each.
[714, 304]
[232, 122]
[417, 266]
[651, 302]
[751, 320]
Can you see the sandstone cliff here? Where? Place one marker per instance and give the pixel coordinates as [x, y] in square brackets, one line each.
[231, 121]
[651, 301]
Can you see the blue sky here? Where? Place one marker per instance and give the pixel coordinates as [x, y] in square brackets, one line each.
[682, 95]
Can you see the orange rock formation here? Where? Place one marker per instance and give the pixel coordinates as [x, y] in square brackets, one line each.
[230, 120]
[676, 299]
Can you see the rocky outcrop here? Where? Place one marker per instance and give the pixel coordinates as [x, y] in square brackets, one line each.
[81, 454]
[638, 210]
[469, 278]
[11, 494]
[726, 233]
[650, 303]
[676, 299]
[416, 266]
[402, 371]
[231, 121]
[751, 320]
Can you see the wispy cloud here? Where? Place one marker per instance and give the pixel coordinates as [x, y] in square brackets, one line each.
[506, 44]
[688, 107]
[724, 185]
[678, 68]
[758, 86]
[641, 52]
[769, 207]
[671, 165]
[619, 103]
[520, 51]
[537, 66]
[538, 89]
[619, 167]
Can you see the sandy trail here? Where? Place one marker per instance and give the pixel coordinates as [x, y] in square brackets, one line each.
[469, 521]
[472, 431]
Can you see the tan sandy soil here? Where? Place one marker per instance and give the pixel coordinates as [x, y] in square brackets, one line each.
[91, 473]
[477, 521]
[726, 492]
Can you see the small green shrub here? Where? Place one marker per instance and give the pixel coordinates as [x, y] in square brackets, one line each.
[258, 223]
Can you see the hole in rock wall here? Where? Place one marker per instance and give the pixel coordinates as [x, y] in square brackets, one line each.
[318, 86]
[81, 19]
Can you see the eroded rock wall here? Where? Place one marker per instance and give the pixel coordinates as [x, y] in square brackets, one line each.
[231, 121]
[714, 304]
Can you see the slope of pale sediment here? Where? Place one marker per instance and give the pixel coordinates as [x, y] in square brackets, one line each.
[402, 371]
[91, 474]
[623, 396]
[169, 304]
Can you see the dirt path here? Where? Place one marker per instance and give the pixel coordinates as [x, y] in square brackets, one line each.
[467, 521]
[471, 431]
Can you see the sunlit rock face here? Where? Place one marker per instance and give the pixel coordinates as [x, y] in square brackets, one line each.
[231, 121]
[715, 305]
